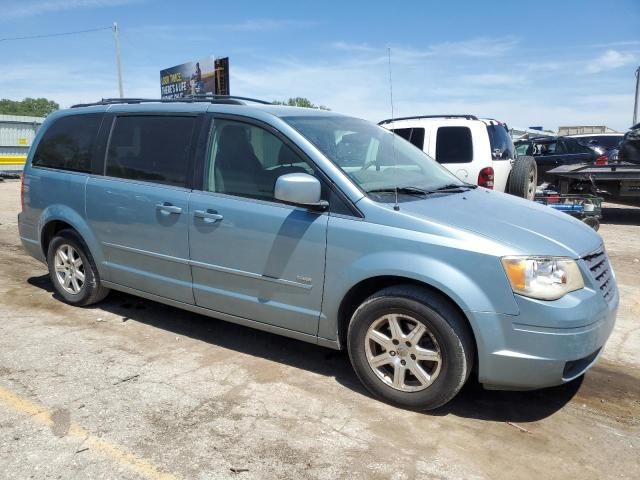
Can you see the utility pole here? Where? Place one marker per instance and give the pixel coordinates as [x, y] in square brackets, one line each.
[637, 100]
[116, 34]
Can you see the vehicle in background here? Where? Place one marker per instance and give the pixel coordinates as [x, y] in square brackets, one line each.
[606, 145]
[477, 151]
[552, 152]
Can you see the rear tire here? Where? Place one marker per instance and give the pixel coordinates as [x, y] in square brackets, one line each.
[72, 270]
[410, 347]
[523, 179]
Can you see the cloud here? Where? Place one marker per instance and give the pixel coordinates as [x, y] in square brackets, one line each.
[267, 24]
[32, 8]
[481, 47]
[477, 47]
[609, 60]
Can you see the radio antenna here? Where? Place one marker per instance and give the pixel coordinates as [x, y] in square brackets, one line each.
[396, 205]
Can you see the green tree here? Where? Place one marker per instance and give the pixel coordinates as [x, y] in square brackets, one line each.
[299, 102]
[33, 107]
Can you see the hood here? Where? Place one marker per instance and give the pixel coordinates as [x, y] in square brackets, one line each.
[529, 227]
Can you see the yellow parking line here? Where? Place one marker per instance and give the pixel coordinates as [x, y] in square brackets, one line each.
[42, 415]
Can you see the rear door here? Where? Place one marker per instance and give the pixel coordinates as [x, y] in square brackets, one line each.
[139, 208]
[454, 149]
[577, 153]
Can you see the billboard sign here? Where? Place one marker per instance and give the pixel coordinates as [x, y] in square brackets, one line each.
[207, 76]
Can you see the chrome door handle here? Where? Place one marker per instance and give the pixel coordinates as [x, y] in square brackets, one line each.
[166, 208]
[210, 216]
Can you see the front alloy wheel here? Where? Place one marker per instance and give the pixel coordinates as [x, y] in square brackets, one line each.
[403, 353]
[411, 347]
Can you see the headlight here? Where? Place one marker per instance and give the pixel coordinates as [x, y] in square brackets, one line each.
[544, 278]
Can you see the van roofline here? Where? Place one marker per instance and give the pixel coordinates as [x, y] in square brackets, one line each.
[224, 99]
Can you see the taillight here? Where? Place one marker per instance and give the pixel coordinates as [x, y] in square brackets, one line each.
[485, 178]
[602, 160]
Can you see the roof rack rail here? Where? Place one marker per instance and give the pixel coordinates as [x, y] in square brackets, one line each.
[417, 117]
[208, 98]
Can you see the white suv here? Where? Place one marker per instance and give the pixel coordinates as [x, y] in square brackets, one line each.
[478, 151]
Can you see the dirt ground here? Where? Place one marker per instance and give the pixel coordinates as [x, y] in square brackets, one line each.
[136, 389]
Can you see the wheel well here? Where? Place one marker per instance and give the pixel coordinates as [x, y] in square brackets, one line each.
[361, 291]
[49, 231]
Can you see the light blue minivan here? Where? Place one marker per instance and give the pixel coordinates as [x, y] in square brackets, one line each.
[320, 227]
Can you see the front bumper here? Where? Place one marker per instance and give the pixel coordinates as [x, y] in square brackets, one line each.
[547, 344]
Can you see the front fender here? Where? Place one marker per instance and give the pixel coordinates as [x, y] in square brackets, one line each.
[474, 280]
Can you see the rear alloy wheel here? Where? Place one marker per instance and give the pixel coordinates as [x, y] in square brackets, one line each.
[69, 269]
[72, 270]
[411, 347]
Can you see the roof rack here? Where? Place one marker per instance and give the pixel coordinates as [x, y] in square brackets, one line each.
[417, 117]
[208, 98]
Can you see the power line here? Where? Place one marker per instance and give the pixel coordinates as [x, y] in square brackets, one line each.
[55, 34]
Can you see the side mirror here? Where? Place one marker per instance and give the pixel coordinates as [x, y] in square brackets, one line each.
[300, 189]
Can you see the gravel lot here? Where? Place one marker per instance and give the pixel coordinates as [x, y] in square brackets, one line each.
[136, 389]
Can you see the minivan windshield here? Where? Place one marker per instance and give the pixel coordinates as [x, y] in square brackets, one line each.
[374, 158]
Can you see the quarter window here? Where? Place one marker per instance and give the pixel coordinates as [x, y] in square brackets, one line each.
[413, 135]
[151, 148]
[454, 145]
[246, 160]
[68, 142]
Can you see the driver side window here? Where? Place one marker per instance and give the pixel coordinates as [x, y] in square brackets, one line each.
[246, 160]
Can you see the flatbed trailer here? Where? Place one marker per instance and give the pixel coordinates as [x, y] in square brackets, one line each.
[617, 182]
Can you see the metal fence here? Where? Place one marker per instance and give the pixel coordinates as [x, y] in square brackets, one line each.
[16, 136]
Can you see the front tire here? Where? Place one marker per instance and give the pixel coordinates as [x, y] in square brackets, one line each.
[73, 271]
[410, 347]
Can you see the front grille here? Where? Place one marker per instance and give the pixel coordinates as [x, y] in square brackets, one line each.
[598, 264]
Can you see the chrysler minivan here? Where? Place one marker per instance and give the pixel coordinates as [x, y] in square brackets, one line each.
[321, 227]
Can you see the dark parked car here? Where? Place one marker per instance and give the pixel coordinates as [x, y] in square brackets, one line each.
[630, 146]
[552, 152]
[604, 144]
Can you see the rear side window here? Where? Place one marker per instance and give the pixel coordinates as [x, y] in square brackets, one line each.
[67, 144]
[502, 147]
[606, 141]
[413, 135]
[454, 145]
[150, 148]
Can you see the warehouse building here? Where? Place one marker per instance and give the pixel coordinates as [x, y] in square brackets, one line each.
[585, 129]
[16, 136]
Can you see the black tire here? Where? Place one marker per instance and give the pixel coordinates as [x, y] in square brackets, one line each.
[593, 222]
[448, 331]
[91, 291]
[523, 179]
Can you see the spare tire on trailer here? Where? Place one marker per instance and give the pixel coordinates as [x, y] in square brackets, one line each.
[523, 179]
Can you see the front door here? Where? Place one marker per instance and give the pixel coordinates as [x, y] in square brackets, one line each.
[252, 256]
[139, 209]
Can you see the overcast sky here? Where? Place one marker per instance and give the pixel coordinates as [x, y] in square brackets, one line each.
[526, 63]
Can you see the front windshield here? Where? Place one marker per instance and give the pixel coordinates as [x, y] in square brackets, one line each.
[373, 157]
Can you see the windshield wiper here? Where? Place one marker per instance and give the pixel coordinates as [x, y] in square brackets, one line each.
[406, 190]
[454, 187]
